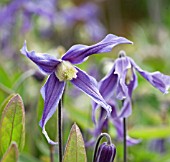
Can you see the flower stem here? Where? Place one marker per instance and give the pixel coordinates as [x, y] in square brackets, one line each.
[6, 89]
[60, 140]
[52, 153]
[22, 78]
[98, 142]
[124, 140]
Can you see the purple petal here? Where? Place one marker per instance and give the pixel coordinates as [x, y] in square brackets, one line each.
[133, 83]
[45, 62]
[79, 53]
[106, 153]
[118, 123]
[101, 125]
[91, 142]
[88, 85]
[44, 9]
[126, 109]
[157, 79]
[132, 141]
[95, 30]
[87, 10]
[158, 145]
[108, 84]
[106, 89]
[51, 93]
[121, 66]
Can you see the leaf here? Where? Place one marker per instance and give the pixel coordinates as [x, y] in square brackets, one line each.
[150, 132]
[12, 154]
[12, 124]
[2, 106]
[75, 150]
[27, 158]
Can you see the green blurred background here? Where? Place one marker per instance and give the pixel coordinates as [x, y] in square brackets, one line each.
[145, 22]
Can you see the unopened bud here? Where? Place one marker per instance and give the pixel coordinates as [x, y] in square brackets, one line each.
[106, 152]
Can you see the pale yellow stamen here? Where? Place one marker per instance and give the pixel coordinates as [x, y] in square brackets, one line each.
[66, 71]
[129, 76]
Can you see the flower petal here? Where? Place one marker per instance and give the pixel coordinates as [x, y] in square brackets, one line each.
[51, 92]
[108, 84]
[102, 124]
[157, 79]
[126, 109]
[88, 85]
[106, 89]
[79, 53]
[132, 141]
[121, 66]
[118, 123]
[133, 83]
[45, 62]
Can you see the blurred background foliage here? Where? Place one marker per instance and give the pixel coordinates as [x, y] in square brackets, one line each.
[54, 26]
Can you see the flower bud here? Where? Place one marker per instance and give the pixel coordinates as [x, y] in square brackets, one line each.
[106, 153]
[66, 71]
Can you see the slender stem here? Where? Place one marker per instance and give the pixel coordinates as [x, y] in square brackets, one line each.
[124, 140]
[6, 89]
[98, 142]
[60, 140]
[22, 78]
[52, 153]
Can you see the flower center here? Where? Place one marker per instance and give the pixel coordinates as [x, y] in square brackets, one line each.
[66, 71]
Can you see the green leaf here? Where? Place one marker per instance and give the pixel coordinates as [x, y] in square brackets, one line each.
[75, 150]
[150, 132]
[12, 154]
[27, 158]
[12, 124]
[5, 103]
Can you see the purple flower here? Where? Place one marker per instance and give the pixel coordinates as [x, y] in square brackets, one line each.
[61, 70]
[158, 145]
[89, 16]
[22, 12]
[106, 153]
[9, 12]
[103, 124]
[122, 80]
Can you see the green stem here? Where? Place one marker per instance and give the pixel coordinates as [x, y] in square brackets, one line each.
[6, 89]
[22, 78]
[124, 141]
[52, 153]
[60, 140]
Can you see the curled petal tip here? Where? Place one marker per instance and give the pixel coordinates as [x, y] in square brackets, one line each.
[131, 42]
[167, 89]
[48, 139]
[109, 110]
[23, 50]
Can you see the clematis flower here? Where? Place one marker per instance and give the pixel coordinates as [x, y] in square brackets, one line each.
[103, 124]
[62, 70]
[122, 81]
